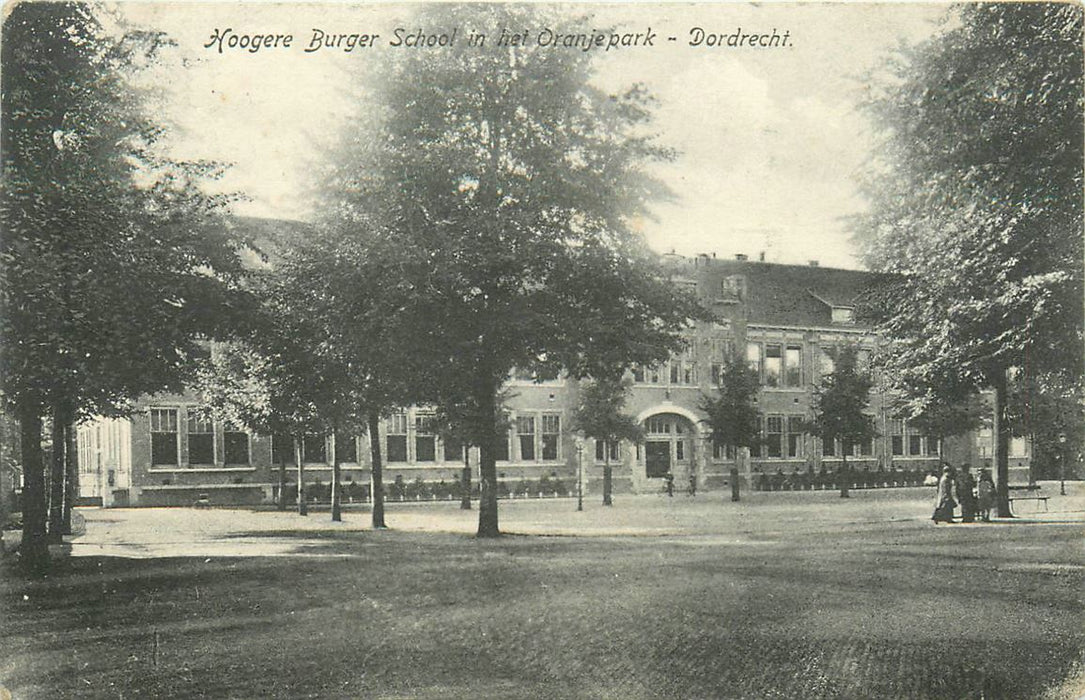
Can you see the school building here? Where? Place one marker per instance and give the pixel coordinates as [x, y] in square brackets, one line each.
[786, 319]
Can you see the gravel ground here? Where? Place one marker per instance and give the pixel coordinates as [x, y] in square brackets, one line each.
[780, 596]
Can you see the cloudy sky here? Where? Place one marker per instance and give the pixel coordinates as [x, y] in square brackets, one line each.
[770, 139]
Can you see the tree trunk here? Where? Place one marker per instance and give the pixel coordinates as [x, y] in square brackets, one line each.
[607, 476]
[465, 498]
[845, 478]
[282, 483]
[337, 513]
[303, 507]
[71, 480]
[488, 526]
[34, 546]
[1002, 447]
[57, 474]
[377, 480]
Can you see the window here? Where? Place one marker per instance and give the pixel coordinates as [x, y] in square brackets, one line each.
[654, 375]
[774, 433]
[676, 368]
[501, 447]
[915, 442]
[551, 430]
[932, 446]
[425, 442]
[843, 314]
[826, 362]
[453, 450]
[346, 448]
[397, 437]
[600, 456]
[896, 432]
[717, 372]
[773, 362]
[235, 446]
[314, 449]
[164, 436]
[828, 447]
[731, 288]
[753, 358]
[201, 438]
[657, 425]
[525, 430]
[688, 375]
[680, 450]
[282, 449]
[638, 374]
[794, 436]
[793, 366]
[722, 451]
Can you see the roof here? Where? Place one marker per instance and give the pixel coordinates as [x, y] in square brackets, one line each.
[775, 294]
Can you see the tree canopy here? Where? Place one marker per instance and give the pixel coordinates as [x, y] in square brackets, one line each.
[508, 181]
[733, 418]
[977, 205]
[115, 260]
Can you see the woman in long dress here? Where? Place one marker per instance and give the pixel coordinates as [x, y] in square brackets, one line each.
[944, 503]
[986, 489]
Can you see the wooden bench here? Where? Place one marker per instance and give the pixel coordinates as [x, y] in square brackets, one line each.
[1029, 498]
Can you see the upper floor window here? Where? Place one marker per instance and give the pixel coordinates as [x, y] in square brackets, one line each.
[346, 448]
[793, 366]
[843, 314]
[731, 288]
[773, 364]
[753, 358]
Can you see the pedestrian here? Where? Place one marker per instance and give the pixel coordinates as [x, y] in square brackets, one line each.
[986, 490]
[668, 483]
[966, 494]
[944, 503]
[692, 483]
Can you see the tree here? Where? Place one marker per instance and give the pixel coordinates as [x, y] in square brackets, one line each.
[599, 416]
[942, 417]
[838, 405]
[733, 417]
[115, 260]
[976, 204]
[507, 182]
[1049, 409]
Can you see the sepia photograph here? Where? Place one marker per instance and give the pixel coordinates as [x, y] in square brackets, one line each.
[542, 350]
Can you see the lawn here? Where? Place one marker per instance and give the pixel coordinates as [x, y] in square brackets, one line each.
[782, 596]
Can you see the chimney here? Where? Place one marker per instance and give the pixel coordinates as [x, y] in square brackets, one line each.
[741, 256]
[812, 263]
[761, 256]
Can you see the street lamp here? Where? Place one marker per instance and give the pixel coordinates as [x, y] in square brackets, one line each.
[1062, 464]
[579, 473]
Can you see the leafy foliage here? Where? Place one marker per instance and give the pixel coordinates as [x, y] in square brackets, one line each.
[733, 417]
[839, 402]
[507, 182]
[977, 204]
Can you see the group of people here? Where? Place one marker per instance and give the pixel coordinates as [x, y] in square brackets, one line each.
[959, 487]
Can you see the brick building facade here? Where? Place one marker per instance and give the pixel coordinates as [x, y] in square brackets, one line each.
[786, 319]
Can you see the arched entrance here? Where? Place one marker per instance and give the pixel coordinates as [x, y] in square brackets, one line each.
[669, 443]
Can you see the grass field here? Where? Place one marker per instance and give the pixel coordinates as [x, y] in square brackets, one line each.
[782, 596]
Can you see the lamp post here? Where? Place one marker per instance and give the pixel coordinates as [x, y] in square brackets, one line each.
[579, 473]
[1062, 464]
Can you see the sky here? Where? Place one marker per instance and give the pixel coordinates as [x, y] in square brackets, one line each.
[770, 140]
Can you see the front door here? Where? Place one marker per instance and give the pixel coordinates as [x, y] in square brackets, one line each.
[657, 458]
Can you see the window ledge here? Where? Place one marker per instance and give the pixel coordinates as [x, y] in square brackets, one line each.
[197, 470]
